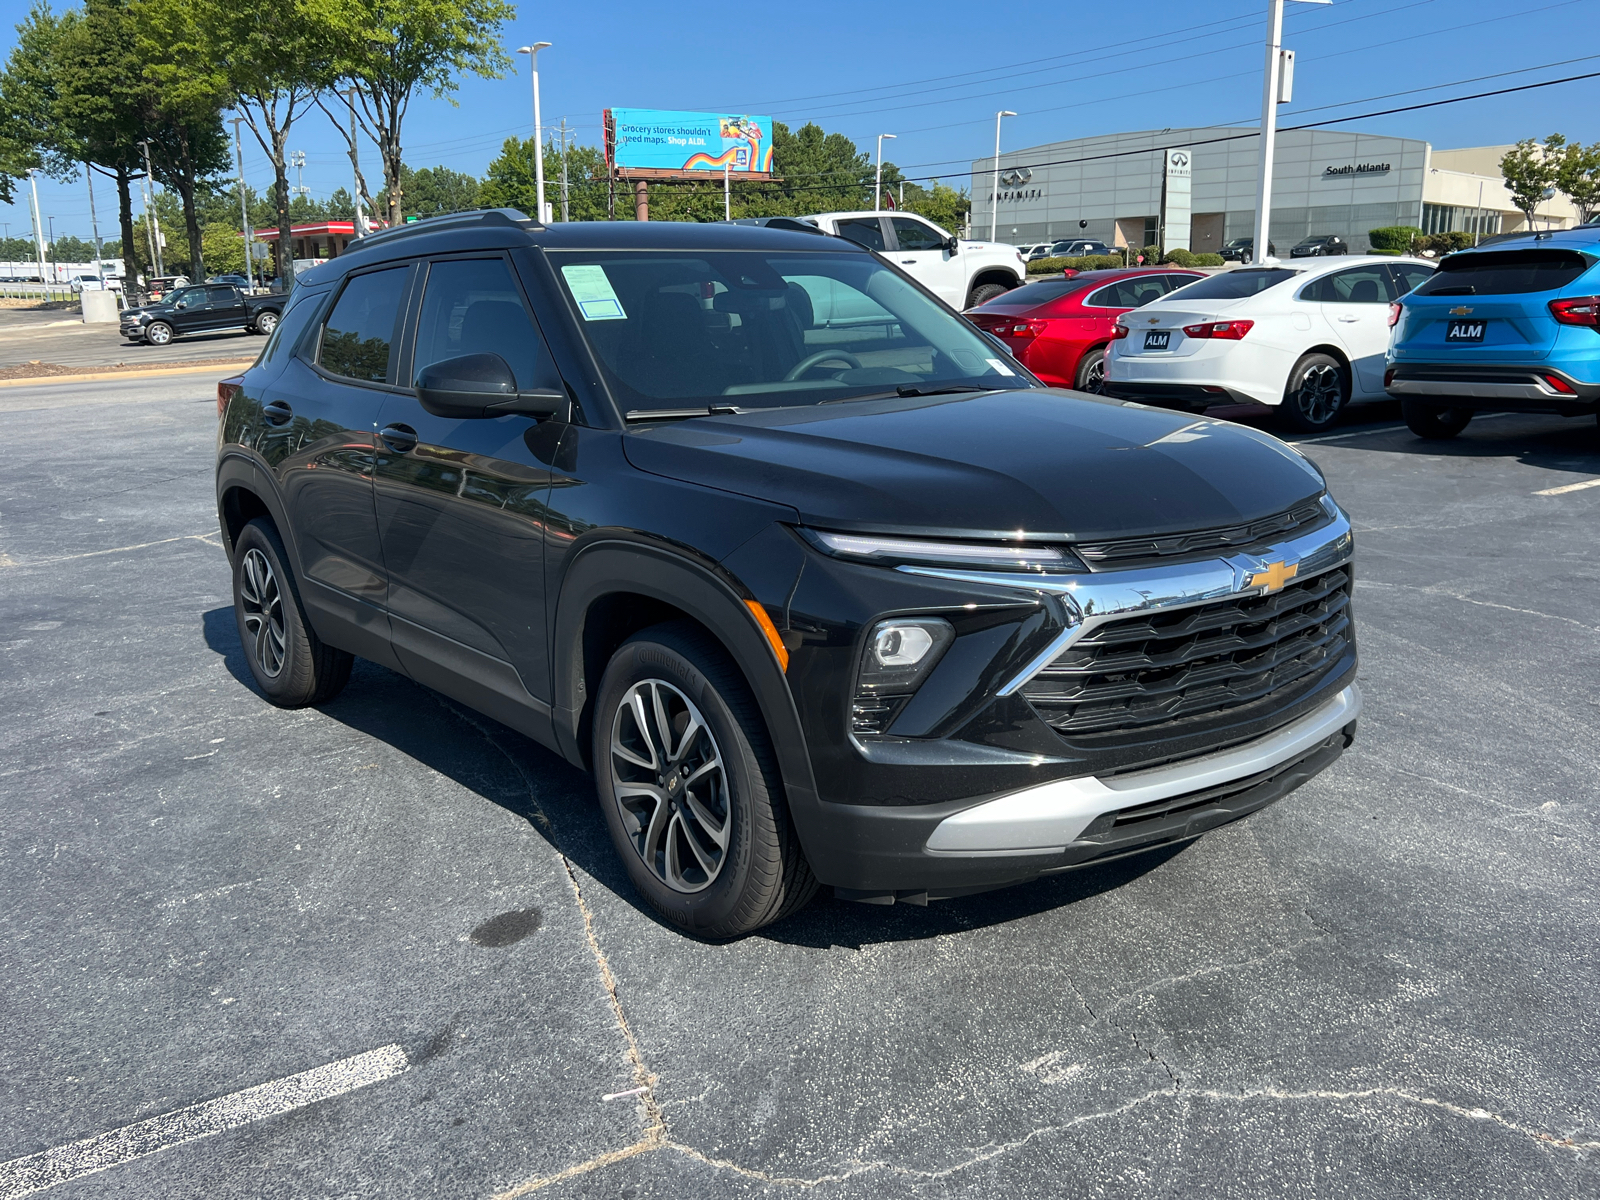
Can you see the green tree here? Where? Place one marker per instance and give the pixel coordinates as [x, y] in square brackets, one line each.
[224, 250]
[388, 49]
[268, 60]
[510, 180]
[1579, 177]
[1530, 170]
[432, 191]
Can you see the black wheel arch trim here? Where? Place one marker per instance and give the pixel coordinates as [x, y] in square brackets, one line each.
[236, 469]
[616, 563]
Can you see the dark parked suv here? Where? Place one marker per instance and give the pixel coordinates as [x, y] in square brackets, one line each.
[820, 584]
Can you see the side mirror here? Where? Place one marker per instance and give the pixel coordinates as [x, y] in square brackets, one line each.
[481, 385]
[953, 244]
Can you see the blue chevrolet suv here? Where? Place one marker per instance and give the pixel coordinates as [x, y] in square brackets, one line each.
[1512, 328]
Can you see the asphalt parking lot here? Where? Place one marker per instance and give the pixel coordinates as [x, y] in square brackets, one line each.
[382, 948]
[60, 337]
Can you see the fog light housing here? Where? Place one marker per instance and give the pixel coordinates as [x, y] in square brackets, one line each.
[897, 656]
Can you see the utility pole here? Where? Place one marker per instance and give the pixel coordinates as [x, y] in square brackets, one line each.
[155, 221]
[1275, 90]
[38, 229]
[55, 267]
[94, 227]
[877, 182]
[244, 208]
[564, 217]
[355, 165]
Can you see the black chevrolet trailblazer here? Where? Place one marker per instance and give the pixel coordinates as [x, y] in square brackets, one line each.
[819, 583]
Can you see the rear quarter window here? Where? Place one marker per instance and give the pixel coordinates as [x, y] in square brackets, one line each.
[1505, 272]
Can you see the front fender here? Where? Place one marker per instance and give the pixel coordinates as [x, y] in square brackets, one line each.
[711, 597]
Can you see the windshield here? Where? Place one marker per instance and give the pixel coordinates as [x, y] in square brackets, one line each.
[1236, 285]
[759, 329]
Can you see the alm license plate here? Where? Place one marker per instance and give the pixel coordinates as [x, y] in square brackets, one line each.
[1465, 331]
[1157, 339]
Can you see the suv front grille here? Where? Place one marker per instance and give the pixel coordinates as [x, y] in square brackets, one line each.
[1303, 518]
[1141, 673]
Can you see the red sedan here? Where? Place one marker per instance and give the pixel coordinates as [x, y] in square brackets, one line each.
[1059, 327]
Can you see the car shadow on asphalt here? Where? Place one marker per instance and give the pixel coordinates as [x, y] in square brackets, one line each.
[557, 801]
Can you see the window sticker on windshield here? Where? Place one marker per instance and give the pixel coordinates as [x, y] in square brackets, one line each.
[592, 290]
[999, 366]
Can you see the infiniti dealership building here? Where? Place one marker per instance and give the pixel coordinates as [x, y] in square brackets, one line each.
[1196, 189]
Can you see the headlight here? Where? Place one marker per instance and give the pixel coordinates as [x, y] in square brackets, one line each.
[890, 551]
[898, 655]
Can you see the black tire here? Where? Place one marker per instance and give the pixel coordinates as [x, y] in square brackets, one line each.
[1318, 390]
[1246, 257]
[266, 322]
[290, 663]
[1091, 375]
[158, 333]
[986, 292]
[757, 873]
[1436, 422]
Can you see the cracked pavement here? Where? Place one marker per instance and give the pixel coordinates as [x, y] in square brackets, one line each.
[1381, 986]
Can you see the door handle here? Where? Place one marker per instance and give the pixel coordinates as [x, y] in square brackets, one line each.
[277, 412]
[1349, 320]
[402, 439]
[908, 262]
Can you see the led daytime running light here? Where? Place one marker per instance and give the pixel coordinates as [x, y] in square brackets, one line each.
[975, 554]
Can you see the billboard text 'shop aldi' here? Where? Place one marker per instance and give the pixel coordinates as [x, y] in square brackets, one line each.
[651, 139]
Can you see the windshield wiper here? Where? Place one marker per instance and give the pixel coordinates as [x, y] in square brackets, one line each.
[636, 415]
[906, 389]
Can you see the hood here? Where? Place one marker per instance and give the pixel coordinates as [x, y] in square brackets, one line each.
[1042, 461]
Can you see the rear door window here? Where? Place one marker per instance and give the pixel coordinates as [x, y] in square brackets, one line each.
[1358, 285]
[358, 339]
[863, 231]
[1505, 272]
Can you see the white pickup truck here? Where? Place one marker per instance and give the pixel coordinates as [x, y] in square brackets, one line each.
[960, 273]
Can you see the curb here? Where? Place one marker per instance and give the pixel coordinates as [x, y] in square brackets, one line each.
[236, 364]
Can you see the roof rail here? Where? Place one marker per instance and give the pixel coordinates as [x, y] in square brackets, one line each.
[484, 216]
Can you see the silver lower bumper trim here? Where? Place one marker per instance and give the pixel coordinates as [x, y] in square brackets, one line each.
[1049, 817]
[1471, 389]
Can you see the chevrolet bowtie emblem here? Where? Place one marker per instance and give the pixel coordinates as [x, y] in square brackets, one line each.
[1274, 577]
[1154, 320]
[1461, 311]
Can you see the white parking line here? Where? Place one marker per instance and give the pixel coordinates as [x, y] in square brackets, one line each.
[1569, 487]
[49, 1168]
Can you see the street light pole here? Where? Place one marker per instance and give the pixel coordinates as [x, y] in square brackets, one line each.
[994, 197]
[538, 129]
[55, 267]
[244, 208]
[1271, 96]
[877, 185]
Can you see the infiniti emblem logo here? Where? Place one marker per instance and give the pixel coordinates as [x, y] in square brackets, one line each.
[1016, 176]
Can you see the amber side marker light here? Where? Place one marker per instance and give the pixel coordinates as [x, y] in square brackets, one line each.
[759, 611]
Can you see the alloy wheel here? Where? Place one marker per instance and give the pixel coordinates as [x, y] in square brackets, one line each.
[670, 785]
[159, 335]
[1094, 378]
[262, 601]
[1319, 395]
[267, 322]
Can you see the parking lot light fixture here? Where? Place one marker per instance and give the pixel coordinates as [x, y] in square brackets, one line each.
[1271, 97]
[538, 131]
[877, 186]
[994, 198]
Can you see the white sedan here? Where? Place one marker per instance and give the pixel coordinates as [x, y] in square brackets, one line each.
[1306, 338]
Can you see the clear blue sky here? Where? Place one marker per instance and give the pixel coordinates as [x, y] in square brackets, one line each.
[932, 75]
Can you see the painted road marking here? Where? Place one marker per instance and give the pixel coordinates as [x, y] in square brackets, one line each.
[49, 1168]
[1569, 487]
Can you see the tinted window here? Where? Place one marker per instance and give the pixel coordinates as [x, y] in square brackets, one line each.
[1411, 275]
[1130, 293]
[220, 295]
[1174, 282]
[472, 306]
[764, 329]
[187, 297]
[864, 231]
[914, 235]
[1236, 285]
[301, 312]
[1504, 272]
[1358, 285]
[360, 329]
[1041, 292]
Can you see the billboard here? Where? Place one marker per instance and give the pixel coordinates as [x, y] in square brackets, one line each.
[652, 141]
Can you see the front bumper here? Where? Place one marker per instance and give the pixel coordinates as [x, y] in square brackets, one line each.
[1499, 387]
